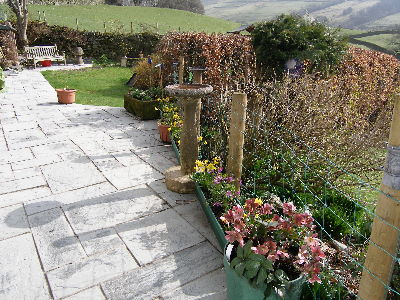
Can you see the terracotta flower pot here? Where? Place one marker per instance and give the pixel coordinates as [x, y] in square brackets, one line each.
[164, 133]
[66, 96]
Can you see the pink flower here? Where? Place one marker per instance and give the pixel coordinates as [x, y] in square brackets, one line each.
[282, 253]
[251, 205]
[233, 236]
[314, 278]
[267, 209]
[289, 208]
[317, 252]
[235, 214]
[229, 194]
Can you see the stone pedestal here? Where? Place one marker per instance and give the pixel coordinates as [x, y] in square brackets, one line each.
[178, 182]
[178, 178]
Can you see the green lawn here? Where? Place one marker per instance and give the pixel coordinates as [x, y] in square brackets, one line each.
[96, 86]
[119, 18]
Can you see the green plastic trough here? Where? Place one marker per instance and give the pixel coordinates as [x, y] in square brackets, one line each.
[216, 227]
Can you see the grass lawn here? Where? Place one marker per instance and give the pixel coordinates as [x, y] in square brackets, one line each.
[96, 86]
[119, 18]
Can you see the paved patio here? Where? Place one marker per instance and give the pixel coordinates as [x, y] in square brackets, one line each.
[84, 212]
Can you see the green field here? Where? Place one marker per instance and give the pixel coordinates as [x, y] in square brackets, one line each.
[119, 18]
[96, 86]
[382, 40]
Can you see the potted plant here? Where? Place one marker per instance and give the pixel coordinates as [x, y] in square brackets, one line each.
[170, 120]
[66, 95]
[273, 250]
[216, 192]
[143, 103]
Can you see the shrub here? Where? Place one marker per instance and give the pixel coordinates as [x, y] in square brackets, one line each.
[294, 37]
[94, 44]
[227, 57]
[146, 75]
[9, 47]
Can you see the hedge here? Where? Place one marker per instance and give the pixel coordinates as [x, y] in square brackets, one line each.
[94, 44]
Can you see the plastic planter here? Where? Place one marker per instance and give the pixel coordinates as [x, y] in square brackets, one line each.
[239, 287]
[176, 150]
[216, 227]
[145, 110]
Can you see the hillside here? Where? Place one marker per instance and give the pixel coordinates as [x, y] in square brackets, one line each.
[119, 18]
[356, 14]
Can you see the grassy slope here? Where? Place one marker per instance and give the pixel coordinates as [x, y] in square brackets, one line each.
[119, 18]
[251, 11]
[96, 86]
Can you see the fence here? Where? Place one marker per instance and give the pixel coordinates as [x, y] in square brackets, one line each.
[276, 160]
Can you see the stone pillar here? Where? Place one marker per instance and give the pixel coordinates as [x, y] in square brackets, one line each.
[189, 148]
[198, 79]
[384, 240]
[236, 136]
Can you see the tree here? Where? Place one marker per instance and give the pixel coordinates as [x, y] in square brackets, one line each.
[291, 37]
[195, 6]
[21, 12]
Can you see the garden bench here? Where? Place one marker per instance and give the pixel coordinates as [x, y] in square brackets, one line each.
[42, 53]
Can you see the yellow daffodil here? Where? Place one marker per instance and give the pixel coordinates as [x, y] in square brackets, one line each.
[258, 201]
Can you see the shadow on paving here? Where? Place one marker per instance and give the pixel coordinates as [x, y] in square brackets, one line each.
[178, 257]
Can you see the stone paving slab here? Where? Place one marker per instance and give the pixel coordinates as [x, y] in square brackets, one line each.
[70, 175]
[84, 212]
[101, 240]
[74, 196]
[110, 210]
[57, 245]
[21, 276]
[209, 287]
[93, 293]
[158, 235]
[22, 184]
[25, 195]
[166, 274]
[72, 278]
[13, 221]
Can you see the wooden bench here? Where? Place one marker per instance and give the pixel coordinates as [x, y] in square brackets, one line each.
[41, 53]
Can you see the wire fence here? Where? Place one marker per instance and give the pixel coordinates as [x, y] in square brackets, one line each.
[278, 161]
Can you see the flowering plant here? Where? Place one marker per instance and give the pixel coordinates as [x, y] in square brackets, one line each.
[274, 243]
[219, 186]
[170, 115]
[146, 95]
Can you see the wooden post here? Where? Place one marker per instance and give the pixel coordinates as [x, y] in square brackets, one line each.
[385, 228]
[236, 136]
[105, 27]
[77, 24]
[44, 16]
[181, 69]
[131, 27]
[40, 17]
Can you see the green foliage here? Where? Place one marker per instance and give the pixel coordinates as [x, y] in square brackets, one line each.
[103, 61]
[146, 95]
[96, 86]
[294, 37]
[94, 44]
[306, 186]
[2, 80]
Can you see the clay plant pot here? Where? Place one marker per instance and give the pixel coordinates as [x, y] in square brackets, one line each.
[164, 133]
[145, 110]
[66, 96]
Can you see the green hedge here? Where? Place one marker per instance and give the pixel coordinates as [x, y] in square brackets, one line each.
[94, 44]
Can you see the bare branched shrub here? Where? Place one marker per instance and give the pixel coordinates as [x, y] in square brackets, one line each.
[9, 47]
